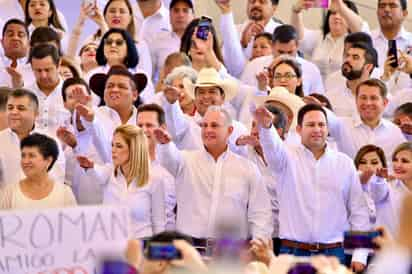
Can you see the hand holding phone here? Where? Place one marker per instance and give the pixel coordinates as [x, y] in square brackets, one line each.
[203, 28]
[393, 51]
[113, 266]
[360, 239]
[163, 251]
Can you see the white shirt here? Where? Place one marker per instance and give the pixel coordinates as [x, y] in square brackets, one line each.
[145, 95]
[351, 134]
[10, 156]
[312, 80]
[13, 198]
[146, 203]
[52, 113]
[22, 66]
[210, 192]
[326, 52]
[343, 101]
[186, 132]
[150, 26]
[270, 179]
[388, 197]
[170, 193]
[314, 203]
[164, 43]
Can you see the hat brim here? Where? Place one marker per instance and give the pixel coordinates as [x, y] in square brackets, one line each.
[293, 103]
[229, 87]
[97, 83]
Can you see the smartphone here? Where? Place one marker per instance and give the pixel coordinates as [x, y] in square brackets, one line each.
[112, 266]
[392, 50]
[162, 251]
[203, 28]
[360, 239]
[302, 268]
[324, 4]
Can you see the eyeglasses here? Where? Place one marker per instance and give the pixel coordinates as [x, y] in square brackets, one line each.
[118, 42]
[287, 76]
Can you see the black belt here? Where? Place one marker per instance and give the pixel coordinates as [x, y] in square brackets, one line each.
[203, 242]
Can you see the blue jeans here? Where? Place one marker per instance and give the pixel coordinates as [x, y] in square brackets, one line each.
[337, 252]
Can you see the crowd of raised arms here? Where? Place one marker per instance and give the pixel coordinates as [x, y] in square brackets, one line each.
[290, 140]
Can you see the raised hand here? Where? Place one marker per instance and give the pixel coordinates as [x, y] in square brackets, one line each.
[263, 80]
[85, 162]
[191, 259]
[263, 117]
[172, 94]
[312, 100]
[365, 176]
[86, 112]
[161, 136]
[251, 30]
[16, 76]
[80, 96]
[388, 70]
[67, 137]
[405, 62]
[262, 250]
[247, 140]
[224, 5]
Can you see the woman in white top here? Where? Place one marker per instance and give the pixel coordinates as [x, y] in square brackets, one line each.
[43, 13]
[325, 47]
[116, 14]
[38, 155]
[128, 181]
[388, 193]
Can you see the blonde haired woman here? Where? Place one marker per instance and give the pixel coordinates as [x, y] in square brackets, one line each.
[128, 181]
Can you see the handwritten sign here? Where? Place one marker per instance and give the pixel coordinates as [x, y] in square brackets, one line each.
[61, 241]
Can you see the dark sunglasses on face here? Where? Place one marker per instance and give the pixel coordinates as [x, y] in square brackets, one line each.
[118, 42]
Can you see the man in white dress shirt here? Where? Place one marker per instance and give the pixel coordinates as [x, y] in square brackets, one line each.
[168, 41]
[150, 117]
[120, 90]
[285, 42]
[315, 205]
[45, 63]
[358, 63]
[368, 127]
[14, 70]
[152, 16]
[22, 109]
[214, 186]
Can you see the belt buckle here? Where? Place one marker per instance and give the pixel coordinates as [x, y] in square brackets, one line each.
[316, 249]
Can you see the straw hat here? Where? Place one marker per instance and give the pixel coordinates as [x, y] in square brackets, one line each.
[210, 77]
[283, 96]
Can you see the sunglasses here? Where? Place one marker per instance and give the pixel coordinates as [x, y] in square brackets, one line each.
[118, 42]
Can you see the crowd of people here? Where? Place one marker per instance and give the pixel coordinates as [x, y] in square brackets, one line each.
[289, 136]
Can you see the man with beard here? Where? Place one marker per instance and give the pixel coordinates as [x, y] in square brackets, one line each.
[259, 20]
[15, 72]
[359, 62]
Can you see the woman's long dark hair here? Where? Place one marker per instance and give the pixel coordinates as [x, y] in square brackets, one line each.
[53, 19]
[186, 41]
[132, 57]
[325, 26]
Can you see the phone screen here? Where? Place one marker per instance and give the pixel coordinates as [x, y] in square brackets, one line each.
[203, 28]
[358, 239]
[163, 251]
[324, 4]
[393, 51]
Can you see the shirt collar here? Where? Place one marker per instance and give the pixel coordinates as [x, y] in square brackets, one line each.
[308, 152]
[113, 113]
[222, 157]
[57, 89]
[402, 34]
[357, 122]
[20, 61]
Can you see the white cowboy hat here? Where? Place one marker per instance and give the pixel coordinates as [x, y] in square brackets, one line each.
[210, 77]
[283, 96]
